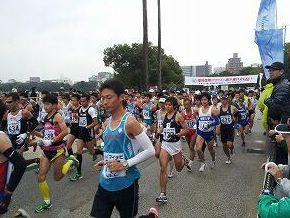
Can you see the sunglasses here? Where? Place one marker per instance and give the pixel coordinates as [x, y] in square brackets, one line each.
[8, 102]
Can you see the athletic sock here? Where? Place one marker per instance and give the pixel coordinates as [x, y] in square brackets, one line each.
[66, 167]
[44, 190]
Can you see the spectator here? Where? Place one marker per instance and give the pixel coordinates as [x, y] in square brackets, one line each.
[279, 102]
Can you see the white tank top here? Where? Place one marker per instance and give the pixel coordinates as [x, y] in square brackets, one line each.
[14, 123]
[204, 119]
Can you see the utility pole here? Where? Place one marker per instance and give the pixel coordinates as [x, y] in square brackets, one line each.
[159, 47]
[145, 44]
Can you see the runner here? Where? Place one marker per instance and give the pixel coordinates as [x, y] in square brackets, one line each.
[8, 183]
[147, 115]
[65, 108]
[207, 120]
[190, 117]
[243, 119]
[227, 131]
[118, 179]
[20, 122]
[87, 122]
[53, 148]
[174, 126]
[74, 122]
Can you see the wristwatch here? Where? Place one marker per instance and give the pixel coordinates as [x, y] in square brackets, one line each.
[125, 165]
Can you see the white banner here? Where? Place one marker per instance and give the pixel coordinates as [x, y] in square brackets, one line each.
[227, 80]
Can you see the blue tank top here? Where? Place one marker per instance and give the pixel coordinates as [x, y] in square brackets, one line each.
[242, 113]
[147, 113]
[118, 146]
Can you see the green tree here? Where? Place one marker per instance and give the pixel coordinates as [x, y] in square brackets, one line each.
[85, 87]
[127, 61]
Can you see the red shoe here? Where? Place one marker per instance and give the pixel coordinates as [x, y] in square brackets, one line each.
[154, 211]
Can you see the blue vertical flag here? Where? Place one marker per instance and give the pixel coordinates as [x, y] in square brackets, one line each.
[267, 15]
[268, 38]
[270, 43]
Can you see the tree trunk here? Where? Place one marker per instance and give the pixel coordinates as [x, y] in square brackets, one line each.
[159, 47]
[145, 44]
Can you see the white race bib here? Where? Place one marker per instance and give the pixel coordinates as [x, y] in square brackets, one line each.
[107, 173]
[48, 134]
[146, 114]
[14, 127]
[226, 119]
[82, 121]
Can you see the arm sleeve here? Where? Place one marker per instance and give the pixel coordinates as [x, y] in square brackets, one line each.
[92, 112]
[147, 147]
[271, 207]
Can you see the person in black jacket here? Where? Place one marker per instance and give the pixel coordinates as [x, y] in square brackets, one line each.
[279, 102]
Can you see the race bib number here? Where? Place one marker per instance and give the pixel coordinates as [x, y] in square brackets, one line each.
[191, 123]
[107, 173]
[168, 131]
[14, 127]
[227, 119]
[243, 116]
[48, 134]
[146, 114]
[83, 121]
[203, 126]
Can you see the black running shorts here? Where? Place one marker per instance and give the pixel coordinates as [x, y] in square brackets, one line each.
[227, 135]
[125, 201]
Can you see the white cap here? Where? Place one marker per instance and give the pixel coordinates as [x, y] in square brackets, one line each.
[162, 100]
[151, 90]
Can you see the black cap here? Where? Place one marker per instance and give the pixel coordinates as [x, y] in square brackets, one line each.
[276, 66]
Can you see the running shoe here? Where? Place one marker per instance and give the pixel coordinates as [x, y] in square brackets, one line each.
[171, 173]
[162, 198]
[75, 162]
[75, 177]
[212, 164]
[202, 167]
[42, 207]
[189, 165]
[153, 211]
[229, 161]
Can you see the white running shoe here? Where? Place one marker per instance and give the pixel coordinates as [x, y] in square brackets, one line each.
[162, 198]
[202, 167]
[189, 165]
[171, 173]
[212, 164]
[229, 161]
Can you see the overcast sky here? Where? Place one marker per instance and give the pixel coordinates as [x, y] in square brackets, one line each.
[68, 37]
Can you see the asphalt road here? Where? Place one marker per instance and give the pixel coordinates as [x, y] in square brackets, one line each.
[226, 191]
